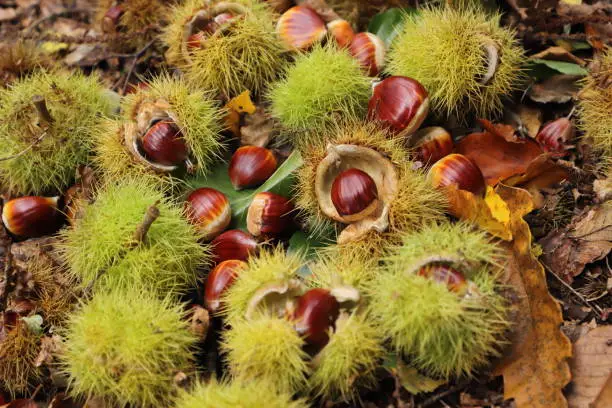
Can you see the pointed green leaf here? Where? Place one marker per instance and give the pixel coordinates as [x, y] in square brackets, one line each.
[387, 25]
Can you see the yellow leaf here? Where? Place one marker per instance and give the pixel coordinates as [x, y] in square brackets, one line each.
[51, 47]
[235, 108]
[415, 382]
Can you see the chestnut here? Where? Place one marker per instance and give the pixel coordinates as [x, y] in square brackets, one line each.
[233, 244]
[433, 144]
[218, 280]
[300, 27]
[554, 136]
[163, 143]
[400, 103]
[316, 311]
[341, 31]
[251, 166]
[460, 170]
[445, 274]
[269, 215]
[31, 216]
[369, 50]
[354, 194]
[209, 210]
[111, 18]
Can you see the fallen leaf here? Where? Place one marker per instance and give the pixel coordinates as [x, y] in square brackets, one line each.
[497, 158]
[237, 106]
[258, 129]
[7, 14]
[604, 399]
[507, 132]
[49, 347]
[557, 89]
[558, 54]
[591, 367]
[535, 368]
[200, 322]
[61, 400]
[587, 239]
[525, 119]
[603, 189]
[409, 377]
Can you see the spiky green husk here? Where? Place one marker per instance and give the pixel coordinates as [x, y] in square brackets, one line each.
[342, 265]
[441, 48]
[20, 59]
[248, 57]
[195, 112]
[268, 267]
[595, 105]
[236, 394]
[76, 104]
[443, 334]
[139, 19]
[18, 353]
[348, 360]
[267, 348]
[102, 243]
[125, 346]
[322, 86]
[417, 203]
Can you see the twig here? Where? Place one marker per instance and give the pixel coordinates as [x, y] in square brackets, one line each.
[43, 112]
[569, 287]
[135, 57]
[24, 151]
[432, 400]
[6, 242]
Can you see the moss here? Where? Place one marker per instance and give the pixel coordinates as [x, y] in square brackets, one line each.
[442, 48]
[52, 154]
[125, 346]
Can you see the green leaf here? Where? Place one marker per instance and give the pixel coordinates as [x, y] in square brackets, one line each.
[567, 68]
[34, 323]
[387, 25]
[281, 182]
[409, 377]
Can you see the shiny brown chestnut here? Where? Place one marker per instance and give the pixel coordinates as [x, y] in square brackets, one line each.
[233, 244]
[209, 210]
[400, 103]
[198, 39]
[341, 31]
[300, 27]
[218, 280]
[251, 166]
[555, 136]
[164, 144]
[445, 274]
[460, 170]
[433, 144]
[31, 216]
[316, 312]
[369, 50]
[111, 18]
[269, 215]
[354, 194]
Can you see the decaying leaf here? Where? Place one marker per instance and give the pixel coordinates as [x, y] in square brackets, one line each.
[557, 88]
[558, 54]
[591, 367]
[200, 322]
[535, 368]
[525, 119]
[587, 239]
[258, 129]
[235, 108]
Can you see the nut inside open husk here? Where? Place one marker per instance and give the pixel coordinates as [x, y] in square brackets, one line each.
[343, 157]
[275, 298]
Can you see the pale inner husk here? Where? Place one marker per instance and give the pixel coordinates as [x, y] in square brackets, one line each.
[343, 157]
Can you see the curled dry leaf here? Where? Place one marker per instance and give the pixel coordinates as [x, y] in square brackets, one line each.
[558, 54]
[526, 119]
[591, 368]
[535, 368]
[258, 128]
[235, 108]
[557, 88]
[200, 322]
[587, 239]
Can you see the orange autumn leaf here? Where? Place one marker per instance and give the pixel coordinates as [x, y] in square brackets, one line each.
[497, 158]
[535, 368]
[235, 108]
[501, 130]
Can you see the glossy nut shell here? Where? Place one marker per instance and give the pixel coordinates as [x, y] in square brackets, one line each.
[354, 194]
[341, 31]
[251, 166]
[269, 215]
[369, 50]
[233, 244]
[555, 136]
[316, 312]
[164, 144]
[209, 210]
[31, 216]
[218, 280]
[445, 274]
[433, 144]
[300, 27]
[400, 103]
[460, 170]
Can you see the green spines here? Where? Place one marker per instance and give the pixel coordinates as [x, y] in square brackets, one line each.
[246, 56]
[449, 50]
[101, 246]
[322, 86]
[442, 333]
[236, 394]
[45, 156]
[125, 346]
[195, 113]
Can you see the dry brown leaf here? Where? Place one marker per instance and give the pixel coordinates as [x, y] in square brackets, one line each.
[604, 399]
[587, 239]
[200, 322]
[258, 129]
[525, 119]
[591, 367]
[558, 54]
[504, 131]
[557, 88]
[535, 368]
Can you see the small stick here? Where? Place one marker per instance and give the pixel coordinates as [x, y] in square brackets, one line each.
[574, 291]
[140, 235]
[5, 241]
[43, 112]
[24, 151]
